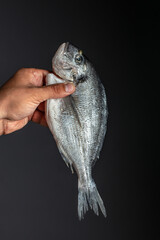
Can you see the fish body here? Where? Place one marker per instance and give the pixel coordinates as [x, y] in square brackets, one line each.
[78, 122]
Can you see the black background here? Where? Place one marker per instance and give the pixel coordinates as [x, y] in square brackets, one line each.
[38, 193]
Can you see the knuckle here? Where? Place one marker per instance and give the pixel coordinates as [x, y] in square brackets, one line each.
[57, 89]
[20, 70]
[25, 70]
[4, 127]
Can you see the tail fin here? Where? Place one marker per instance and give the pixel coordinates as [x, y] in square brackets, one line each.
[89, 196]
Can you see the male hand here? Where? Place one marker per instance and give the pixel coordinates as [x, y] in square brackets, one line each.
[22, 98]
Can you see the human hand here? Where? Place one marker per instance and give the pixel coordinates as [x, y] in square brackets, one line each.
[22, 99]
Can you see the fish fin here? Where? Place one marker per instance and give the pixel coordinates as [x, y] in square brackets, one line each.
[88, 196]
[67, 162]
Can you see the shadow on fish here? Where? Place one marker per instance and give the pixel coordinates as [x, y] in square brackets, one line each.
[78, 122]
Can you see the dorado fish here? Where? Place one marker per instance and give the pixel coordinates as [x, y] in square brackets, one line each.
[78, 122]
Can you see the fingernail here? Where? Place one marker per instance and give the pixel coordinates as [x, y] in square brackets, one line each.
[69, 87]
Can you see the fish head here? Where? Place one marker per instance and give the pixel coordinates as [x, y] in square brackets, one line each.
[69, 63]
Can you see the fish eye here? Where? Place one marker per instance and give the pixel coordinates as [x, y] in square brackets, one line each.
[78, 59]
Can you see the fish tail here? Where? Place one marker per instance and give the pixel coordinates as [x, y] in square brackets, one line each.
[88, 196]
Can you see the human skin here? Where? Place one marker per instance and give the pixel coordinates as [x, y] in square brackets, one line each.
[22, 99]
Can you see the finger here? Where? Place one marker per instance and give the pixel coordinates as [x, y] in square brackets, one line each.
[41, 107]
[39, 76]
[39, 117]
[12, 126]
[27, 77]
[53, 91]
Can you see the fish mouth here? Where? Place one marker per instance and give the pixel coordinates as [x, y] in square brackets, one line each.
[57, 76]
[65, 45]
[56, 64]
[62, 78]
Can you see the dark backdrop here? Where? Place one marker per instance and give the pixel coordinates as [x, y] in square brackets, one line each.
[38, 193]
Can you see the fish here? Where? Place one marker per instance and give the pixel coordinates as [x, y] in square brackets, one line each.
[78, 122]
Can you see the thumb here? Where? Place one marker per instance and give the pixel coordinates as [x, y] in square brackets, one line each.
[53, 91]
